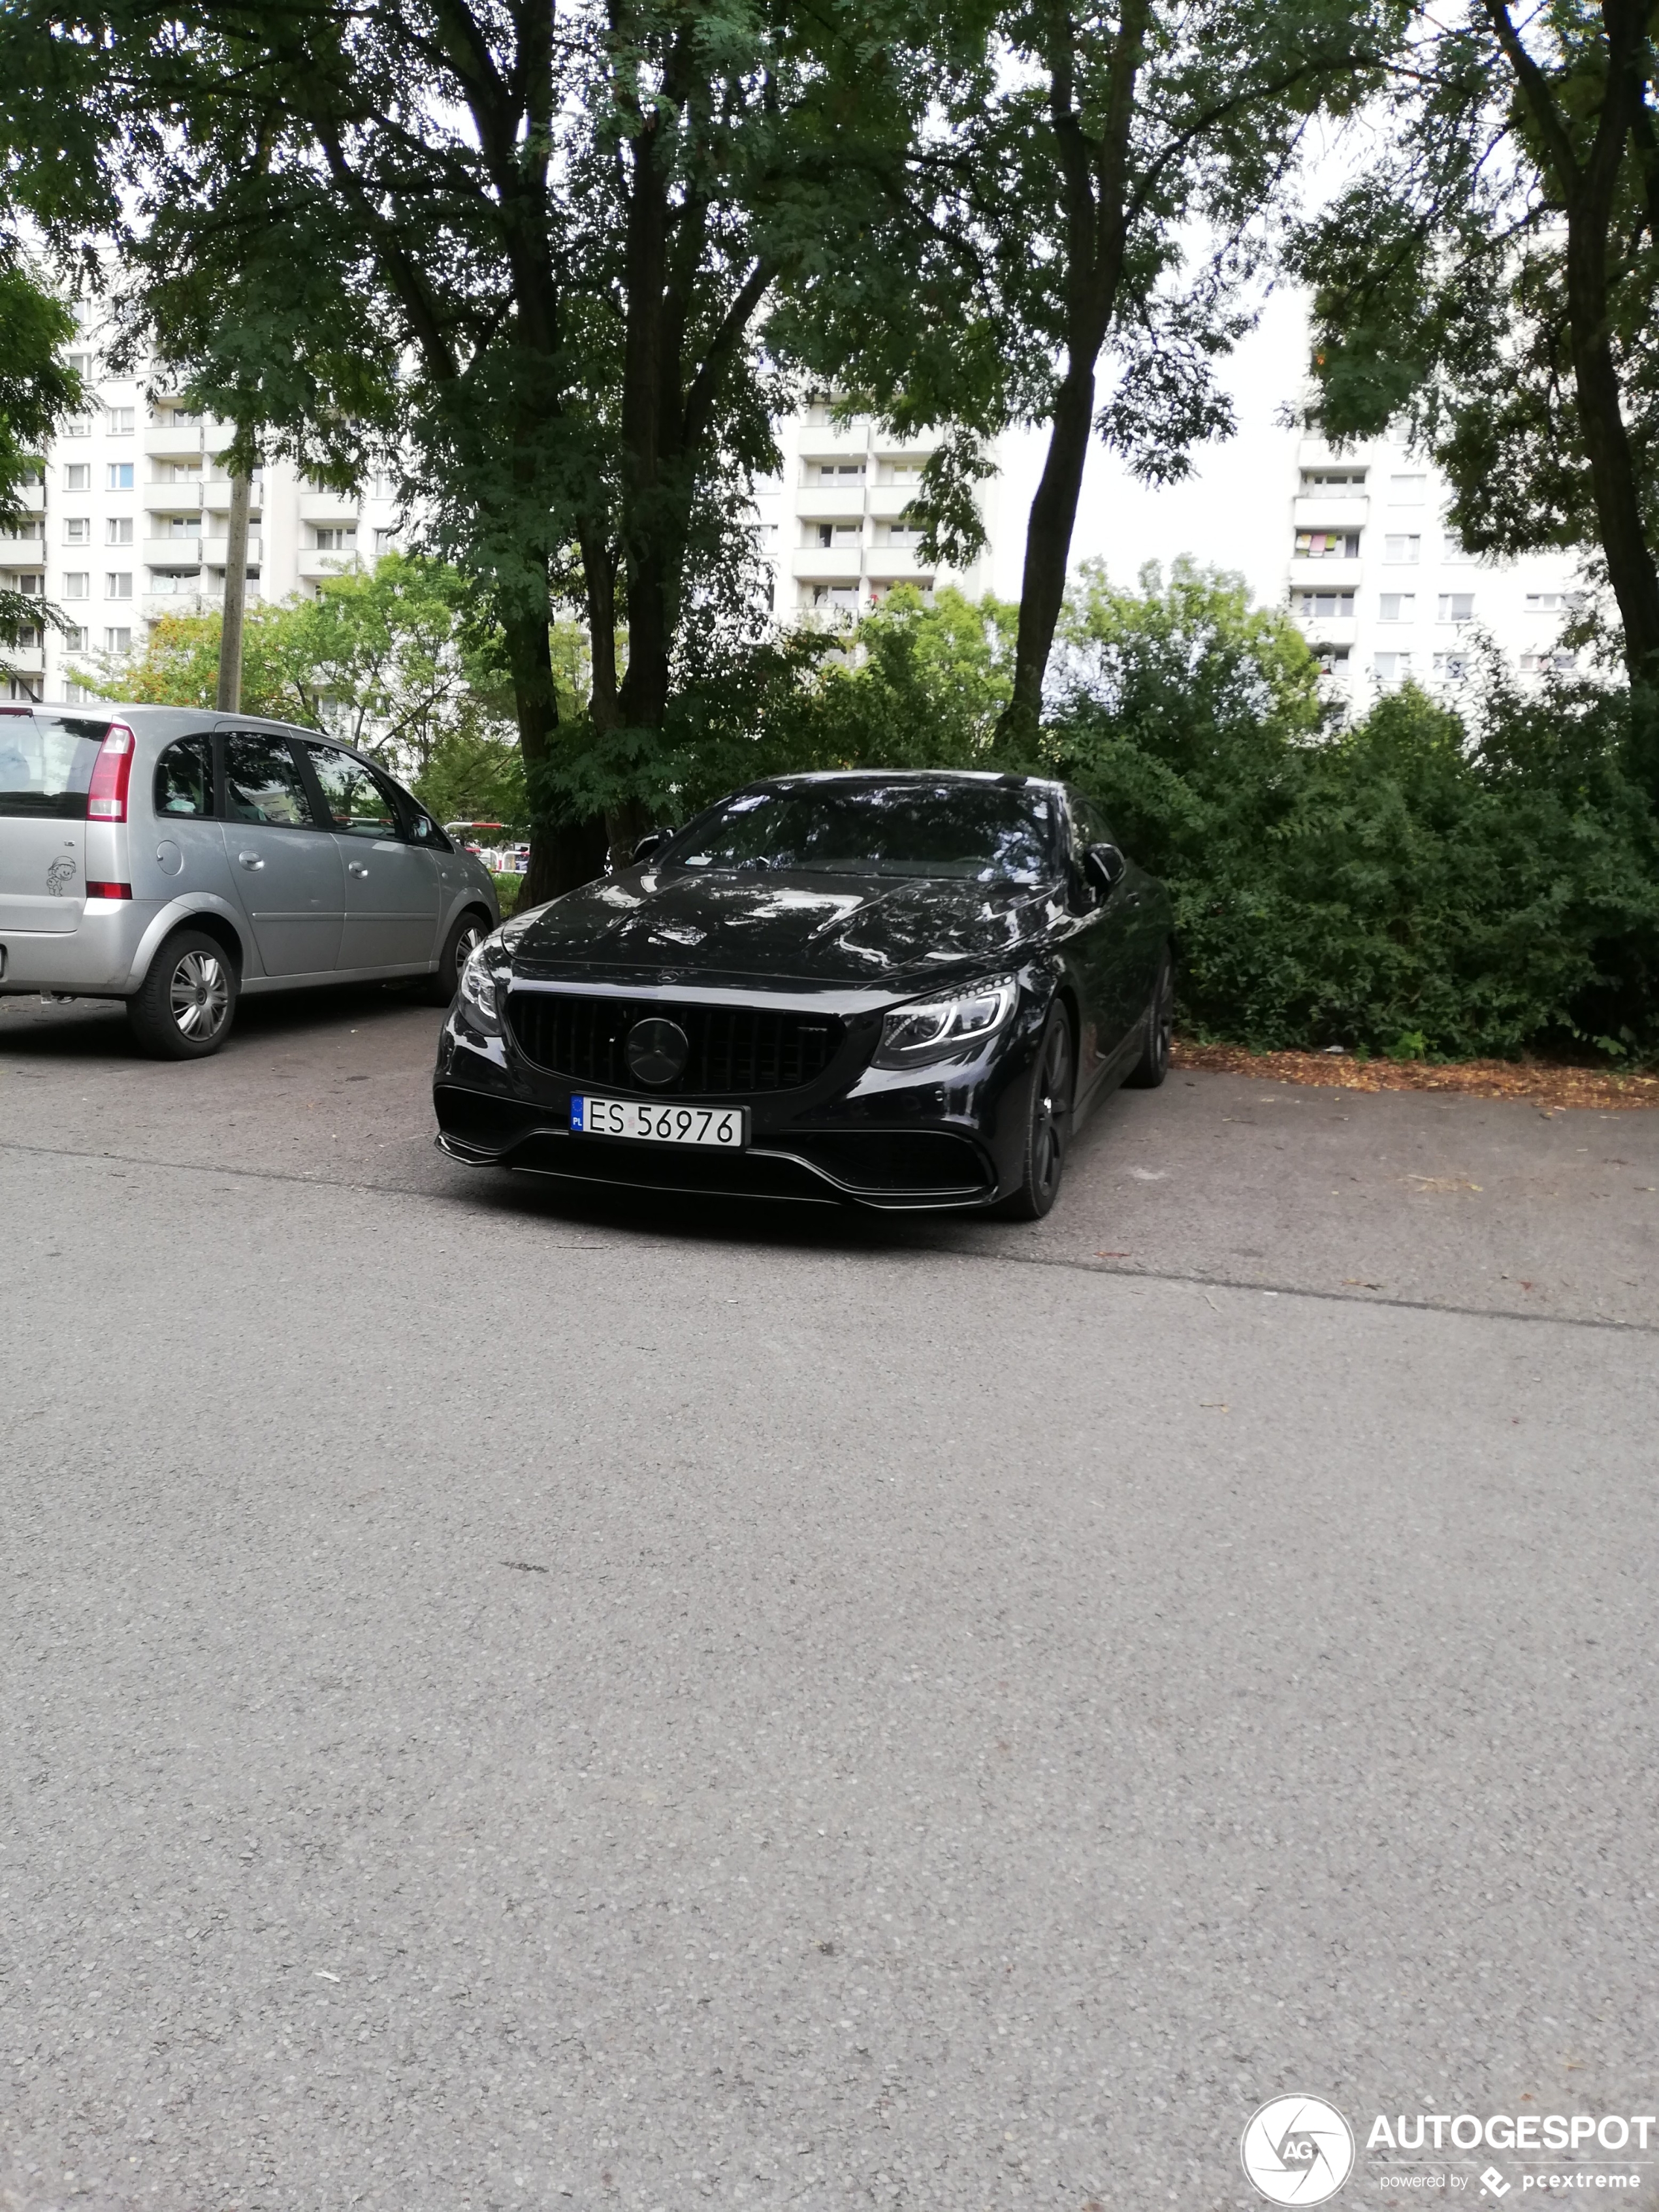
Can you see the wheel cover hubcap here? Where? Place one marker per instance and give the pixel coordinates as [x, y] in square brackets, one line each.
[199, 995]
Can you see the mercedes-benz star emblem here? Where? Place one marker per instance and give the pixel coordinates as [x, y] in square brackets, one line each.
[657, 1051]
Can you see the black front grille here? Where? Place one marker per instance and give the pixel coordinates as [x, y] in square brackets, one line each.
[735, 1050]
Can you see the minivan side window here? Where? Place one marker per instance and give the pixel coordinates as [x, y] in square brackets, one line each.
[357, 802]
[184, 778]
[263, 782]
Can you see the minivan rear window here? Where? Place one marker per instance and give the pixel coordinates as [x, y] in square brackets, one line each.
[45, 764]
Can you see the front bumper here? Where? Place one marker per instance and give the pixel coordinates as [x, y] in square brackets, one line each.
[950, 1136]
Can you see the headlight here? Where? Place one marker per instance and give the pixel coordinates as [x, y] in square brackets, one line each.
[478, 992]
[946, 1029]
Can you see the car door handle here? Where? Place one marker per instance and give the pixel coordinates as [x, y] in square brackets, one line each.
[250, 860]
[356, 867]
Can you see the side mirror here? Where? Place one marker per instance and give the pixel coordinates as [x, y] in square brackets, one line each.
[1103, 865]
[652, 842]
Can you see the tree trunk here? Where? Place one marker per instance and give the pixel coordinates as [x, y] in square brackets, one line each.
[1047, 550]
[1630, 570]
[562, 854]
[229, 697]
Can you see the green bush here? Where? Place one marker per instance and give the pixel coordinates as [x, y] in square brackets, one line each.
[1410, 883]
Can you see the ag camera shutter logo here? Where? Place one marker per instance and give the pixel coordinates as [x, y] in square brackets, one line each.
[1297, 2150]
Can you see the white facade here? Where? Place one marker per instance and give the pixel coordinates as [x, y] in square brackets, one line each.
[832, 524]
[128, 519]
[1383, 590]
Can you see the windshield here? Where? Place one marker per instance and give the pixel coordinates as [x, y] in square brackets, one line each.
[45, 764]
[977, 832]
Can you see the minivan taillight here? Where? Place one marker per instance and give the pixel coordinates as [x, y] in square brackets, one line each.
[106, 795]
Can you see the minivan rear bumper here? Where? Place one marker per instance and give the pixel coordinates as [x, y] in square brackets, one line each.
[94, 960]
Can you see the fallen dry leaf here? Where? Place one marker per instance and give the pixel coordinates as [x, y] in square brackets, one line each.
[1555, 1088]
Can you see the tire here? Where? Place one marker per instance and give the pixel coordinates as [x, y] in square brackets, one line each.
[1048, 1125]
[1153, 1065]
[184, 1006]
[466, 929]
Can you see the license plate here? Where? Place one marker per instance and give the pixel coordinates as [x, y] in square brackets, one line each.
[658, 1123]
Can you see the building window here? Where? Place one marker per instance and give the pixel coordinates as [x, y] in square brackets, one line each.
[1333, 659]
[74, 696]
[117, 584]
[1454, 664]
[1538, 664]
[184, 526]
[836, 598]
[120, 476]
[77, 530]
[29, 641]
[117, 641]
[386, 540]
[75, 641]
[836, 533]
[78, 585]
[1407, 491]
[173, 581]
[78, 425]
[32, 587]
[1343, 480]
[335, 541]
[1457, 606]
[1327, 545]
[840, 472]
[1326, 605]
[1403, 551]
[1551, 603]
[120, 420]
[1398, 606]
[77, 477]
[118, 531]
[1391, 667]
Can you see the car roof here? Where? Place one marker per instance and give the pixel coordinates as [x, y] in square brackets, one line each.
[1009, 777]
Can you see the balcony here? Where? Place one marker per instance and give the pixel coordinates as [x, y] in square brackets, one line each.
[889, 502]
[1328, 629]
[216, 493]
[1332, 510]
[179, 439]
[26, 659]
[827, 564]
[171, 552]
[155, 604]
[830, 503]
[899, 565]
[325, 506]
[316, 565]
[829, 440]
[215, 552]
[1325, 574]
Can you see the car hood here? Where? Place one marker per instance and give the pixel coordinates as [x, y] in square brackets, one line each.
[826, 932]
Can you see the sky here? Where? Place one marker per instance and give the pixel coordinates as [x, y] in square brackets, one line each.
[1234, 511]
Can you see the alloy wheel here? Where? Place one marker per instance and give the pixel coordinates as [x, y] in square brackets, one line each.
[1050, 1108]
[199, 995]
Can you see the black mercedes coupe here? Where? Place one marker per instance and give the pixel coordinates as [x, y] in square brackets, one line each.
[900, 989]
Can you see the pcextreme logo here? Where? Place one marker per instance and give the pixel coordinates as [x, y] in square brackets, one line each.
[1297, 2150]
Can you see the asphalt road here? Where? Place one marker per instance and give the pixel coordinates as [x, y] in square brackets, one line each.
[510, 1701]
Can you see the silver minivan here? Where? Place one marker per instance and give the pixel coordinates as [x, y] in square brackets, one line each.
[173, 858]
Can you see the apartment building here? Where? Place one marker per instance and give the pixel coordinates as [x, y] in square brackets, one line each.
[1383, 590]
[128, 519]
[833, 522]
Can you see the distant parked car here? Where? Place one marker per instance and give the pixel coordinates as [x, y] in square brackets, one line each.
[900, 989]
[174, 858]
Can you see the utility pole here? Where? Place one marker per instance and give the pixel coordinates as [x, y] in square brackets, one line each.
[230, 636]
